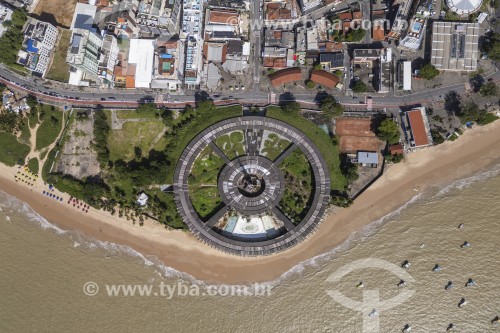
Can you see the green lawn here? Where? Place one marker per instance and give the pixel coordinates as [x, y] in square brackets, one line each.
[232, 144]
[323, 142]
[12, 152]
[141, 134]
[59, 69]
[50, 127]
[187, 132]
[202, 182]
[488, 118]
[33, 116]
[274, 146]
[299, 186]
[128, 114]
[33, 165]
[25, 132]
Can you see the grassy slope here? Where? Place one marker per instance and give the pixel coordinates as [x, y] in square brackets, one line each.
[203, 182]
[323, 142]
[59, 69]
[12, 151]
[33, 165]
[49, 128]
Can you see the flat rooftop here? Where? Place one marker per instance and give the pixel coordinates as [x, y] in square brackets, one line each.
[455, 46]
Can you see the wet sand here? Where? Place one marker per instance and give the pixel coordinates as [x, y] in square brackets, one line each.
[473, 151]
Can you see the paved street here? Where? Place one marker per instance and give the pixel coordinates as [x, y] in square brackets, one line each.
[130, 98]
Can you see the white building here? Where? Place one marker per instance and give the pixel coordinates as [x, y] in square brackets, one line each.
[108, 60]
[142, 199]
[464, 7]
[83, 18]
[85, 49]
[455, 46]
[83, 55]
[141, 54]
[407, 75]
[39, 41]
[415, 35]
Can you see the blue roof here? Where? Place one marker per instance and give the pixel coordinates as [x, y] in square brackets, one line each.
[30, 47]
[367, 157]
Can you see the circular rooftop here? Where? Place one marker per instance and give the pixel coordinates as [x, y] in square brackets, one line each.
[244, 172]
[464, 7]
[251, 184]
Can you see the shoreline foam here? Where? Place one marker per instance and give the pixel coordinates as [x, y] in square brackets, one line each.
[180, 252]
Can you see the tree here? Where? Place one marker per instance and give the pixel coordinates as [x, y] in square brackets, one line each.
[12, 39]
[359, 87]
[428, 72]
[348, 169]
[292, 107]
[488, 89]
[147, 108]
[31, 101]
[470, 111]
[9, 122]
[340, 200]
[331, 107]
[356, 35]
[436, 137]
[396, 158]
[388, 131]
[492, 48]
[310, 84]
[452, 102]
[101, 133]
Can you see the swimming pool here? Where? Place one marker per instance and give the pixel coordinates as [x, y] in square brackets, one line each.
[416, 26]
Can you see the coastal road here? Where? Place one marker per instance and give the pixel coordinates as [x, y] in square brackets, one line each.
[131, 98]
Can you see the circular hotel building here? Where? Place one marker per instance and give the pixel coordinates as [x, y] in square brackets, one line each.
[251, 186]
[464, 7]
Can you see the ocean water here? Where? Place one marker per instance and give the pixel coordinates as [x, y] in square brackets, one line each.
[43, 271]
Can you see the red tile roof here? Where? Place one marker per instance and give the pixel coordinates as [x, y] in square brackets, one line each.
[418, 128]
[130, 82]
[273, 62]
[324, 78]
[345, 16]
[228, 17]
[275, 12]
[285, 76]
[357, 15]
[378, 33]
[346, 26]
[396, 149]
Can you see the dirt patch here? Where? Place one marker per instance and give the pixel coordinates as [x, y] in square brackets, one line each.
[56, 12]
[77, 156]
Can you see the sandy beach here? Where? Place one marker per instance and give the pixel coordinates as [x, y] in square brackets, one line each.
[473, 151]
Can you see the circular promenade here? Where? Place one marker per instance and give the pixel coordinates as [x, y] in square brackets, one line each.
[252, 185]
